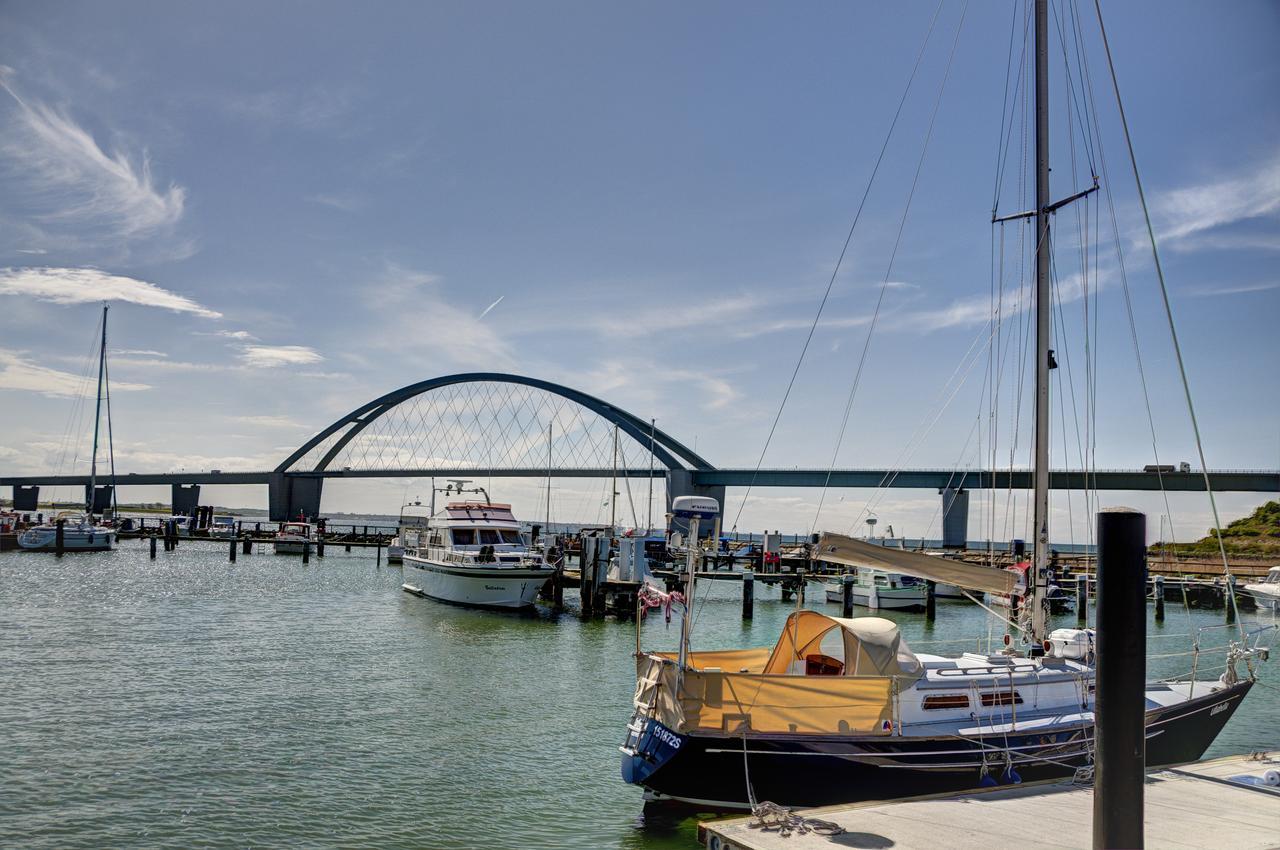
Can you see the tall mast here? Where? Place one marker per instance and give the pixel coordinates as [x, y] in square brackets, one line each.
[1044, 314]
[613, 496]
[97, 415]
[550, 425]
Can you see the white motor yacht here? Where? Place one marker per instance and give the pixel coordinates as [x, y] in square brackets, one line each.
[1266, 593]
[878, 589]
[293, 537]
[472, 553]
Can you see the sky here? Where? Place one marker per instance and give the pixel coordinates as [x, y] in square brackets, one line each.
[296, 207]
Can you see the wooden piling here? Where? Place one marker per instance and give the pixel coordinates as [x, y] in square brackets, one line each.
[320, 547]
[306, 551]
[801, 586]
[846, 595]
[246, 547]
[1158, 583]
[930, 600]
[231, 550]
[1231, 599]
[557, 588]
[59, 540]
[748, 594]
[153, 547]
[378, 560]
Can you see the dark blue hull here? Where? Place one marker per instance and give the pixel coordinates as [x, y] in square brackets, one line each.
[711, 772]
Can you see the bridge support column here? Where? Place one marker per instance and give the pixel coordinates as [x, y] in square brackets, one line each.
[26, 497]
[291, 496]
[184, 498]
[101, 497]
[680, 483]
[955, 517]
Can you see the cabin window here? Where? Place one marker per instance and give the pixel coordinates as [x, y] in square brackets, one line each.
[489, 537]
[464, 537]
[510, 535]
[1001, 698]
[941, 701]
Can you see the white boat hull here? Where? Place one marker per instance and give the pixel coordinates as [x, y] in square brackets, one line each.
[1266, 601]
[475, 585]
[291, 547]
[887, 599]
[73, 540]
[395, 553]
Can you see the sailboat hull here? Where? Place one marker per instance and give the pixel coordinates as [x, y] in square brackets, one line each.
[43, 539]
[710, 771]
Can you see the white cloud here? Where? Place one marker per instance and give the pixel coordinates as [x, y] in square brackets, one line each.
[269, 422]
[137, 352]
[69, 179]
[19, 373]
[1181, 213]
[82, 286]
[1211, 291]
[273, 356]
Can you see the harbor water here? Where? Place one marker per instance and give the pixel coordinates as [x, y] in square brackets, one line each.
[188, 701]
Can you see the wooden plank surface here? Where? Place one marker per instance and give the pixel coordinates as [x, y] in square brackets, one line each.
[1187, 808]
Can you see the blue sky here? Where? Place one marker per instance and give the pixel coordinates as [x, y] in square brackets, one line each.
[298, 207]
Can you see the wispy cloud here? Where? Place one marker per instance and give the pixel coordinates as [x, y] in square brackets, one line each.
[81, 286]
[1212, 291]
[1190, 210]
[342, 203]
[274, 356]
[269, 421]
[68, 179]
[137, 352]
[242, 336]
[17, 372]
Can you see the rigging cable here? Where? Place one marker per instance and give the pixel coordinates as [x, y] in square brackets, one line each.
[1168, 311]
[893, 256]
[830, 283]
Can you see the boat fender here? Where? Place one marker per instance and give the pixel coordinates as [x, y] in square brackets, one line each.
[1011, 777]
[987, 781]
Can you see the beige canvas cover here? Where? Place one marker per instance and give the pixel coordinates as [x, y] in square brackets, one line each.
[754, 702]
[840, 549]
[872, 646]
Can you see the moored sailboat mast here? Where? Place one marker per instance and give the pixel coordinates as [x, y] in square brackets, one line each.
[97, 415]
[1044, 304]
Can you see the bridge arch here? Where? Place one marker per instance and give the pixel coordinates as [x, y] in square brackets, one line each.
[382, 434]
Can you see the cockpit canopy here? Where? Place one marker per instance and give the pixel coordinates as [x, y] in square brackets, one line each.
[817, 645]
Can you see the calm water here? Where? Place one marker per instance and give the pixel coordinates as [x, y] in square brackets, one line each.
[188, 701]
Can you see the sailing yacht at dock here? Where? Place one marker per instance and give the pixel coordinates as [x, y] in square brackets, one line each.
[81, 532]
[842, 710]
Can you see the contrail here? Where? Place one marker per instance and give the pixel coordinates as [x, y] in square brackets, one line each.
[490, 307]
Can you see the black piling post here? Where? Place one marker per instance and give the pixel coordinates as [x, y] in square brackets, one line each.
[1121, 676]
[59, 539]
[1231, 599]
[306, 551]
[748, 594]
[348, 547]
[1082, 599]
[599, 579]
[320, 547]
[930, 600]
[1158, 582]
[846, 595]
[247, 547]
[231, 550]
[153, 547]
[378, 560]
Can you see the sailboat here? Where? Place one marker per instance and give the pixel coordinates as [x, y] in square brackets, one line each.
[843, 710]
[81, 532]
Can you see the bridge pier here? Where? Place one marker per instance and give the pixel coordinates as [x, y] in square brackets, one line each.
[101, 497]
[26, 497]
[680, 483]
[955, 517]
[184, 498]
[293, 495]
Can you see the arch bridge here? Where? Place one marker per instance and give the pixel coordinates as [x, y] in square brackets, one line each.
[482, 424]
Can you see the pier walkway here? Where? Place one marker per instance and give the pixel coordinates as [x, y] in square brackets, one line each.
[1194, 806]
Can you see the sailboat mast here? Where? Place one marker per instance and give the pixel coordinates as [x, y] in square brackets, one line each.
[97, 415]
[1044, 315]
[550, 425]
[613, 496]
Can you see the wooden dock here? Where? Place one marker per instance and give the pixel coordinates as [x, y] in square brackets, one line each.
[1194, 806]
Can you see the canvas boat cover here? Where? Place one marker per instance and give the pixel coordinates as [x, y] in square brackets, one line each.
[839, 549]
[872, 646]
